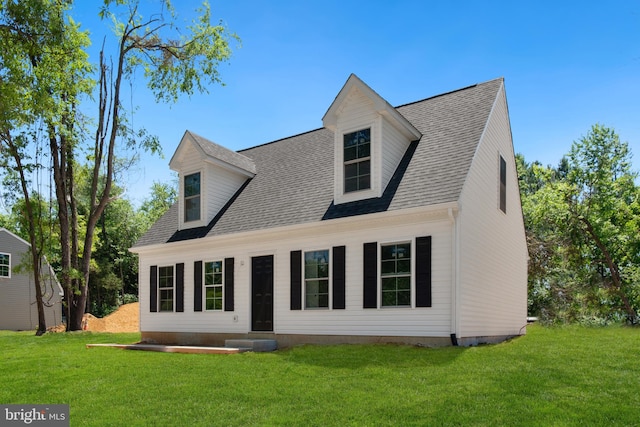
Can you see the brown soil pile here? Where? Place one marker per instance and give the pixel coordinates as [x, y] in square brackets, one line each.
[124, 319]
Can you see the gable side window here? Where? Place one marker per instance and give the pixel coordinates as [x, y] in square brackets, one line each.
[192, 197]
[316, 279]
[357, 160]
[5, 265]
[213, 285]
[165, 288]
[395, 271]
[503, 185]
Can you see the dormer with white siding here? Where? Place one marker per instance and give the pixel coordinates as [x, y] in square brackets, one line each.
[370, 139]
[209, 176]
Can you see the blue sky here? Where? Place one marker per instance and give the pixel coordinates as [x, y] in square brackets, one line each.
[567, 65]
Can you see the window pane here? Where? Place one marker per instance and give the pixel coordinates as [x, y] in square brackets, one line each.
[351, 170]
[388, 299]
[166, 300]
[350, 185]
[404, 298]
[364, 182]
[403, 283]
[312, 301]
[323, 300]
[364, 150]
[192, 209]
[350, 153]
[404, 250]
[4, 271]
[313, 287]
[389, 284]
[388, 267]
[395, 268]
[192, 185]
[403, 266]
[364, 167]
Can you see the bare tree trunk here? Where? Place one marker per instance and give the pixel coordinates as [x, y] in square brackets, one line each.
[36, 255]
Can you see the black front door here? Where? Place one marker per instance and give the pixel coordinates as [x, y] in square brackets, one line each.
[262, 293]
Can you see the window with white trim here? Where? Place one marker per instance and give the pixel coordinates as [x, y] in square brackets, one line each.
[316, 279]
[192, 197]
[357, 160]
[395, 272]
[5, 265]
[213, 285]
[165, 288]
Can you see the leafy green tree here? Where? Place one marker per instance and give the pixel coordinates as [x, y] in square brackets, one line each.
[38, 70]
[602, 200]
[581, 220]
[162, 197]
[175, 61]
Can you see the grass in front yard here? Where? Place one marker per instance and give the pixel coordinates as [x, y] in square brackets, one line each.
[551, 376]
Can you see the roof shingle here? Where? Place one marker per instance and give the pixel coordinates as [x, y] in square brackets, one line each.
[294, 183]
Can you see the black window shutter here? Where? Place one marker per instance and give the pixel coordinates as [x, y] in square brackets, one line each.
[296, 280]
[370, 275]
[338, 277]
[153, 290]
[180, 287]
[423, 271]
[228, 284]
[197, 286]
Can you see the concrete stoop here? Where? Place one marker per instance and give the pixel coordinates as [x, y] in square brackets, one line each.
[231, 347]
[252, 344]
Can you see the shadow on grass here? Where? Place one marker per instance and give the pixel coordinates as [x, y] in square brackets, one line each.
[358, 356]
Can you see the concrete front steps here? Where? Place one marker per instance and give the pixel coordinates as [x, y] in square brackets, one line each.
[231, 347]
[252, 344]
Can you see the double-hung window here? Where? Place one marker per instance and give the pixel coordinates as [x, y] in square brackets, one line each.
[213, 285]
[166, 288]
[5, 265]
[316, 279]
[192, 197]
[395, 269]
[357, 160]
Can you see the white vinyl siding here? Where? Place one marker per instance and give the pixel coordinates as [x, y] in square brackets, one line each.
[357, 114]
[221, 186]
[217, 187]
[493, 253]
[394, 146]
[18, 309]
[5, 265]
[353, 320]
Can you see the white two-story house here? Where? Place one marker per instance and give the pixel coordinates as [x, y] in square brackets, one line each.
[388, 224]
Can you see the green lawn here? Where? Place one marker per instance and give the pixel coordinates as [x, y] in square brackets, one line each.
[551, 376]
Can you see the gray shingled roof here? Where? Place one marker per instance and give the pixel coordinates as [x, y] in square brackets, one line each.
[294, 182]
[220, 153]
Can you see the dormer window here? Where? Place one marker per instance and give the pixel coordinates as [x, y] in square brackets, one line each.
[192, 197]
[357, 160]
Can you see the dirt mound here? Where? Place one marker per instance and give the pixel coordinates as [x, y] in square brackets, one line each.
[124, 319]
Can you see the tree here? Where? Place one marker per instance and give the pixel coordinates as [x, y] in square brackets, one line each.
[581, 220]
[602, 200]
[44, 75]
[38, 53]
[162, 197]
[174, 62]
